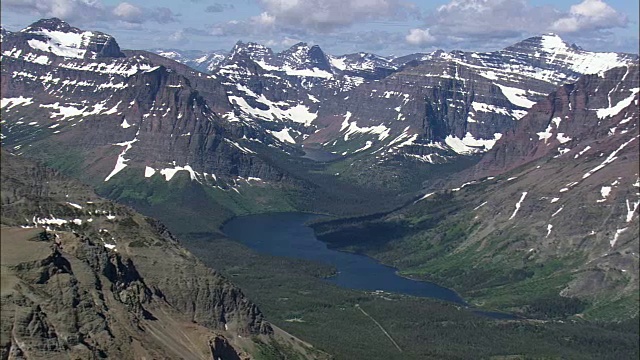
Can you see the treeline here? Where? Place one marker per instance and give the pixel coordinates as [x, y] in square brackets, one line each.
[555, 307]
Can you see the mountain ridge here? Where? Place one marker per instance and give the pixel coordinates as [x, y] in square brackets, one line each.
[144, 117]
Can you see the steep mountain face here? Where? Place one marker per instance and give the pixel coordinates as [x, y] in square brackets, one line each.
[117, 111]
[146, 112]
[550, 213]
[600, 109]
[86, 278]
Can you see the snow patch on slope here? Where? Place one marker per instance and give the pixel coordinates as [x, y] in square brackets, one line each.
[353, 128]
[471, 145]
[283, 135]
[170, 172]
[66, 44]
[516, 96]
[621, 105]
[121, 163]
[524, 194]
[11, 102]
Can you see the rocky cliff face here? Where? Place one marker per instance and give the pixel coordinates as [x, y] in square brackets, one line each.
[85, 278]
[428, 107]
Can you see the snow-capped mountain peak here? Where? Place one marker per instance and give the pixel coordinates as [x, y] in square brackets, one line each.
[551, 42]
[58, 37]
[554, 51]
[302, 56]
[52, 24]
[204, 61]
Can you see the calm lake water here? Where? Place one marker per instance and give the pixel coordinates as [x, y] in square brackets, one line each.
[286, 235]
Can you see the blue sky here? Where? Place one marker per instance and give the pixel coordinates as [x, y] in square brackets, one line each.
[341, 26]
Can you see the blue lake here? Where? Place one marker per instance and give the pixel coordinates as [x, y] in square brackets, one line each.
[285, 234]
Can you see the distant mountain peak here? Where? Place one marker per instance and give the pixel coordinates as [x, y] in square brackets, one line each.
[252, 49]
[301, 44]
[249, 45]
[205, 61]
[316, 54]
[51, 24]
[59, 38]
[549, 42]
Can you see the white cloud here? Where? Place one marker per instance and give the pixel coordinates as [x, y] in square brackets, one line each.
[177, 36]
[81, 12]
[70, 10]
[589, 15]
[218, 8]
[500, 22]
[329, 15]
[289, 42]
[592, 8]
[127, 12]
[489, 18]
[420, 37]
[286, 42]
[264, 19]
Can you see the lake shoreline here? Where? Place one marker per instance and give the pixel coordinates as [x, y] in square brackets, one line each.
[288, 234]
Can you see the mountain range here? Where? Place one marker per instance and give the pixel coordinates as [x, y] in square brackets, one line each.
[510, 176]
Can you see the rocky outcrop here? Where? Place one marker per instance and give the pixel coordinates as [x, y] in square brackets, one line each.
[86, 278]
[220, 349]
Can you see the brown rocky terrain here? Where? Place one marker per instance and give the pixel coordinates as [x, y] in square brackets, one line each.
[85, 278]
